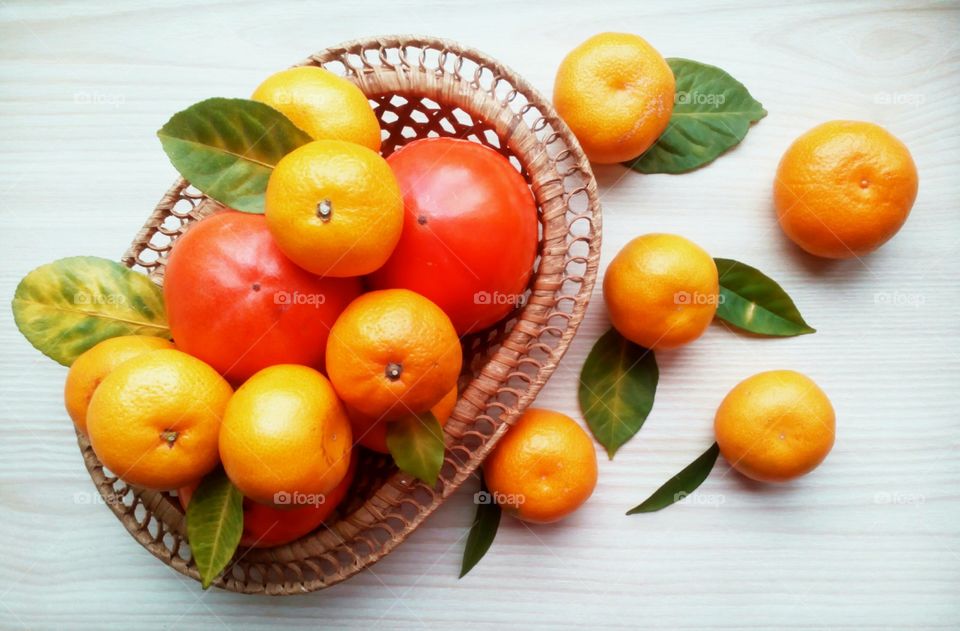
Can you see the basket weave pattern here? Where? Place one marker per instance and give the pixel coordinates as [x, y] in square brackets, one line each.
[420, 87]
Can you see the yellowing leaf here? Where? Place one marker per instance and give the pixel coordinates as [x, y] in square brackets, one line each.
[65, 307]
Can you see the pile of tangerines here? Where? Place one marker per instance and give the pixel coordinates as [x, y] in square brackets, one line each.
[311, 329]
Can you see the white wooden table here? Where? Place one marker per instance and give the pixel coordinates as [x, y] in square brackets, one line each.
[869, 540]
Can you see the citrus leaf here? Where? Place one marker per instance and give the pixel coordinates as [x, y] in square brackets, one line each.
[214, 525]
[754, 302]
[712, 112]
[680, 485]
[416, 444]
[65, 307]
[617, 386]
[227, 148]
[483, 530]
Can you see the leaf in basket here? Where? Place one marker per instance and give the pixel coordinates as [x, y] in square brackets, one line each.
[416, 444]
[680, 485]
[227, 148]
[754, 302]
[617, 387]
[65, 307]
[712, 112]
[483, 530]
[214, 525]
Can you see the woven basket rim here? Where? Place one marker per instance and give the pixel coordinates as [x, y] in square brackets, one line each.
[521, 331]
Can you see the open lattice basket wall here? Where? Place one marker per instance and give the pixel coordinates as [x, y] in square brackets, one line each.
[419, 87]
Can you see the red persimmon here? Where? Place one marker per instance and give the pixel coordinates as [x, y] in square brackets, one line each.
[236, 302]
[470, 231]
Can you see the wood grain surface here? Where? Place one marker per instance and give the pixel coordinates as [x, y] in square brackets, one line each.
[869, 540]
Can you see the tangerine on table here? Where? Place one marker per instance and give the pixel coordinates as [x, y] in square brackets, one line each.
[616, 93]
[544, 468]
[775, 426]
[844, 188]
[661, 291]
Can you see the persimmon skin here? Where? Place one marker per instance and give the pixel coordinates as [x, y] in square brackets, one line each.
[470, 231]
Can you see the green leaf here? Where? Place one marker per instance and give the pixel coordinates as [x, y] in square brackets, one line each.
[214, 525]
[617, 386]
[712, 112]
[65, 307]
[680, 485]
[754, 302]
[416, 444]
[227, 148]
[483, 530]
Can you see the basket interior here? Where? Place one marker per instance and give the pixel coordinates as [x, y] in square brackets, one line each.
[418, 88]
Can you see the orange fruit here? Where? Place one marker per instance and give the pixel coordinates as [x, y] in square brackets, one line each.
[844, 188]
[616, 93]
[371, 432]
[324, 105]
[661, 291]
[154, 420]
[285, 437]
[775, 426]
[88, 370]
[391, 353]
[334, 208]
[543, 469]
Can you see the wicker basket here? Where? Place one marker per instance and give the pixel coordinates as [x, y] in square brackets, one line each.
[419, 87]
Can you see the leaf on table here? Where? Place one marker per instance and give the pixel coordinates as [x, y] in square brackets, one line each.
[712, 112]
[754, 302]
[227, 148]
[618, 383]
[214, 525]
[680, 485]
[66, 307]
[483, 530]
[416, 444]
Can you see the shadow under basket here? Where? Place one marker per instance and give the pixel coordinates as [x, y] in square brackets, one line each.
[419, 87]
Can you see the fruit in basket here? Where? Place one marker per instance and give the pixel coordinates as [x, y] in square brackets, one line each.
[266, 526]
[616, 93]
[661, 291]
[543, 469]
[469, 231]
[844, 188]
[392, 353]
[775, 426]
[154, 420]
[334, 208]
[236, 302]
[371, 432]
[324, 105]
[88, 370]
[285, 437]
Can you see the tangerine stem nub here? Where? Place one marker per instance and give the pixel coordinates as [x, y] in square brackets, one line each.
[325, 210]
[169, 436]
[393, 371]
